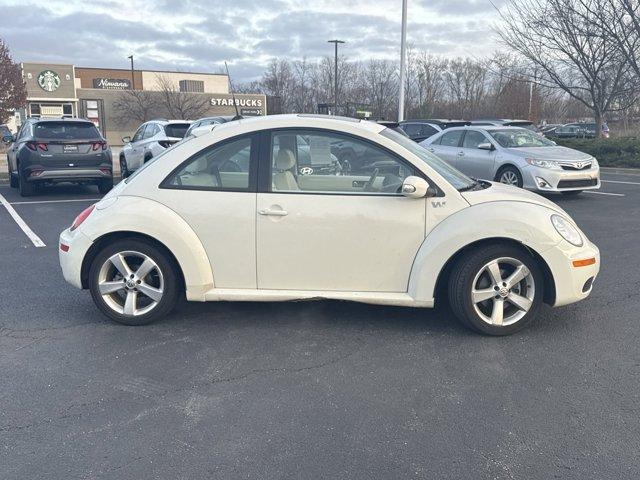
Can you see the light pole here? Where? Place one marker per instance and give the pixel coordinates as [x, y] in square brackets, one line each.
[133, 81]
[335, 76]
[403, 54]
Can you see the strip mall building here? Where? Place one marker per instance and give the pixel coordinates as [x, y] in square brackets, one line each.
[55, 90]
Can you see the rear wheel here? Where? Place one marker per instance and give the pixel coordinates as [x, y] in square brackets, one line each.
[510, 176]
[496, 290]
[13, 179]
[133, 282]
[25, 188]
[105, 185]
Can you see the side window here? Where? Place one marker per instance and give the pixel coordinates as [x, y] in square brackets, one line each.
[451, 139]
[411, 129]
[428, 130]
[150, 131]
[226, 167]
[138, 135]
[329, 162]
[472, 139]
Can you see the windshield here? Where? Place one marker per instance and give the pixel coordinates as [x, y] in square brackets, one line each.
[457, 179]
[519, 138]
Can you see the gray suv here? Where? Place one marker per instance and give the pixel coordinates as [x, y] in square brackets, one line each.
[151, 139]
[56, 150]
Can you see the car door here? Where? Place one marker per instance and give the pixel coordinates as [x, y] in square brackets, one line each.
[214, 191]
[448, 146]
[319, 231]
[474, 161]
[131, 150]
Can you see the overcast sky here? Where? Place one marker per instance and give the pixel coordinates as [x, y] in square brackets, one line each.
[200, 35]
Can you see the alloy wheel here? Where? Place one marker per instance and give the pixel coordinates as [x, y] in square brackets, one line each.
[509, 177]
[503, 291]
[130, 283]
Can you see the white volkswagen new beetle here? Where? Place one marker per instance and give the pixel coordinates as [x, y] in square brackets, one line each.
[232, 215]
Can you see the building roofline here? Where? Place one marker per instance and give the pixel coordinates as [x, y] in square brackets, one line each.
[128, 70]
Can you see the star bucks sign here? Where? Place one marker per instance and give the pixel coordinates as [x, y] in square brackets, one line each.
[49, 80]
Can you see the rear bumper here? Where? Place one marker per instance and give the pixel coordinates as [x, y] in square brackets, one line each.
[77, 245]
[547, 180]
[37, 174]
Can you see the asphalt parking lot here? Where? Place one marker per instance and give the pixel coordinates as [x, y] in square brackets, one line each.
[315, 389]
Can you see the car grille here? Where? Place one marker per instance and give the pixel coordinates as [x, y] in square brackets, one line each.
[587, 182]
[576, 166]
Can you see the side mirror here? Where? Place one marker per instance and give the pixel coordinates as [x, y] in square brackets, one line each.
[8, 139]
[486, 146]
[415, 187]
[126, 139]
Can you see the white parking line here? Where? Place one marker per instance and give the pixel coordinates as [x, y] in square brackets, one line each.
[35, 239]
[606, 193]
[618, 181]
[58, 201]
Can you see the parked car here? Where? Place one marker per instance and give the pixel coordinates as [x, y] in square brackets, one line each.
[578, 130]
[5, 133]
[419, 130]
[203, 125]
[260, 231]
[506, 122]
[151, 139]
[518, 157]
[53, 150]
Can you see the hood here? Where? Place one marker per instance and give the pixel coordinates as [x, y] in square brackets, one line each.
[499, 192]
[550, 153]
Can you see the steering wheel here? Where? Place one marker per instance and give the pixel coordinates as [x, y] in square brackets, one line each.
[369, 185]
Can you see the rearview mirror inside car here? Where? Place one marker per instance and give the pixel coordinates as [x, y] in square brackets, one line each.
[486, 146]
[415, 187]
[126, 139]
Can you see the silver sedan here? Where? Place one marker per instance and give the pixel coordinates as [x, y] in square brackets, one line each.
[515, 156]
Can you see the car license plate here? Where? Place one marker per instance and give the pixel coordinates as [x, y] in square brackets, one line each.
[70, 148]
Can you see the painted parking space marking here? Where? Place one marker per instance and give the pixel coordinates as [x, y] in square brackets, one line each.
[606, 193]
[57, 201]
[619, 181]
[35, 239]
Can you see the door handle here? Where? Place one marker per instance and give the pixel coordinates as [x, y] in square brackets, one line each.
[432, 150]
[461, 154]
[273, 213]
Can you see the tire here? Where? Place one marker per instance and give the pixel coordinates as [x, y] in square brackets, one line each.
[471, 272]
[105, 185]
[161, 282]
[572, 193]
[511, 176]
[124, 170]
[13, 179]
[25, 188]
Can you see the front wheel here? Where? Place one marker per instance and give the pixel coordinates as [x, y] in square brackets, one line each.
[510, 176]
[124, 170]
[133, 282]
[496, 290]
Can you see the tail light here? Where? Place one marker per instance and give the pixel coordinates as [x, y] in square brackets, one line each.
[37, 146]
[82, 217]
[97, 145]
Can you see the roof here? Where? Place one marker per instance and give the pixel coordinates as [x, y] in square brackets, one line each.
[304, 119]
[485, 127]
[59, 119]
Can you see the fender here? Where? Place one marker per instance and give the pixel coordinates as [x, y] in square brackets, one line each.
[141, 215]
[530, 226]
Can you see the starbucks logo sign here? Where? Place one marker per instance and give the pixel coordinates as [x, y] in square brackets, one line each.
[49, 80]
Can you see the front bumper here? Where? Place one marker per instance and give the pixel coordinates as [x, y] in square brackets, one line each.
[548, 180]
[572, 283]
[71, 260]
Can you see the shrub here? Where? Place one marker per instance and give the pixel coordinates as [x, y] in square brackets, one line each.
[610, 152]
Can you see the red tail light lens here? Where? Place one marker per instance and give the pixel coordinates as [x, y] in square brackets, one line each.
[97, 145]
[37, 146]
[82, 217]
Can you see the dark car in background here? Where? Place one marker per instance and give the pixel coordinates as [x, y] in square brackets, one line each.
[4, 131]
[578, 130]
[506, 122]
[421, 129]
[53, 150]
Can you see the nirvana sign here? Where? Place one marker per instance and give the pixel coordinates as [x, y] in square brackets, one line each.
[112, 83]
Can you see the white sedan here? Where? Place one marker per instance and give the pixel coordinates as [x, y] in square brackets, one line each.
[232, 215]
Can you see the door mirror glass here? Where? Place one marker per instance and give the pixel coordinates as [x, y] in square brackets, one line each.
[126, 139]
[486, 146]
[415, 187]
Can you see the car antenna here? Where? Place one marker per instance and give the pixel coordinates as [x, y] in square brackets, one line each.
[233, 97]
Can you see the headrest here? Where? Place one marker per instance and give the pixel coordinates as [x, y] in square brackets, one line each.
[285, 159]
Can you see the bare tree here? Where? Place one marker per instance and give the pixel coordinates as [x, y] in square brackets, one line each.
[13, 93]
[561, 37]
[180, 105]
[138, 105]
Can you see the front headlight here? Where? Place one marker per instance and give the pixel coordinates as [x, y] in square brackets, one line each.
[594, 162]
[567, 230]
[542, 163]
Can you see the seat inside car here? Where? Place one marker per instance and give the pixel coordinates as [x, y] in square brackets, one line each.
[283, 178]
[203, 174]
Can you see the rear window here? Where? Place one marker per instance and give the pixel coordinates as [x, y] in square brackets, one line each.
[65, 131]
[176, 130]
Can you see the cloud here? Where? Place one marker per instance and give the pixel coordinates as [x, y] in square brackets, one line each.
[196, 35]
